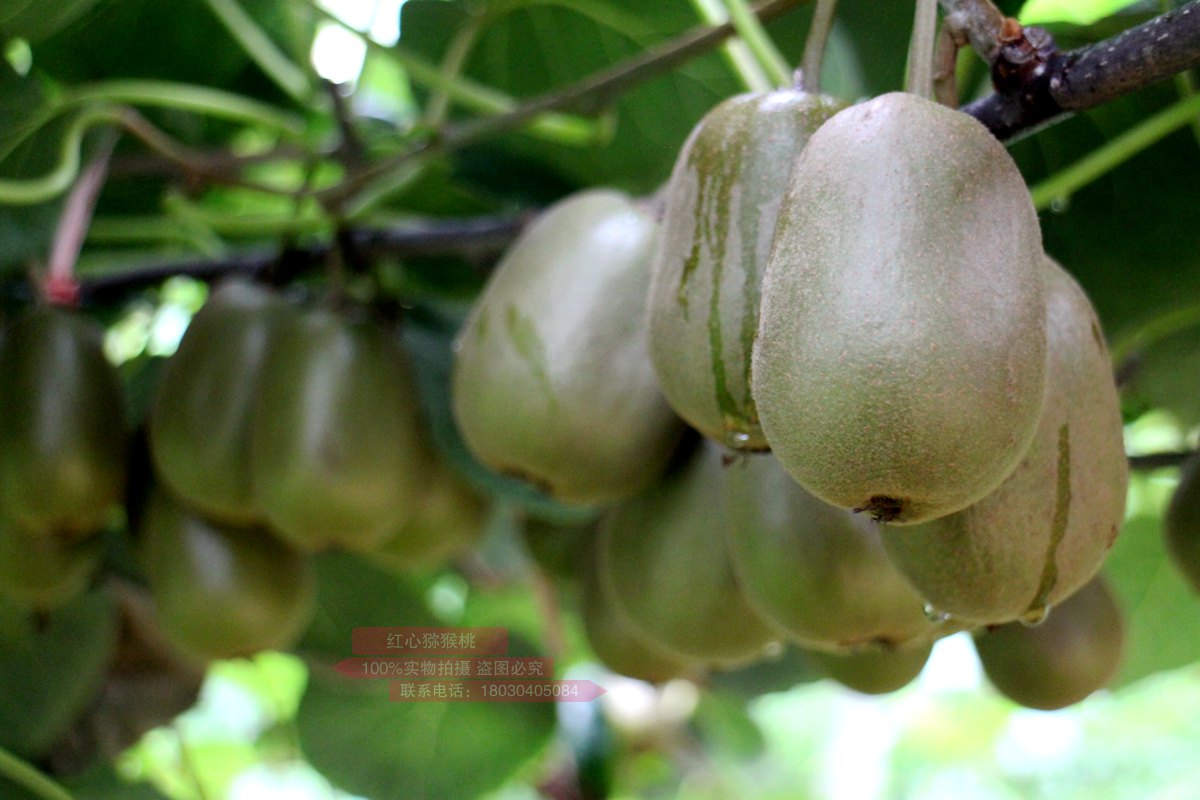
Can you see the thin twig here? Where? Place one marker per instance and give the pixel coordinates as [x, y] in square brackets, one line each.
[473, 238]
[1159, 460]
[59, 286]
[587, 96]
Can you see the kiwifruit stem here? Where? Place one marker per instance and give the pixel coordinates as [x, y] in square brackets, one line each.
[814, 46]
[920, 50]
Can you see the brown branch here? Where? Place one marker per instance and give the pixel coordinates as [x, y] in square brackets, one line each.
[1036, 84]
[1158, 460]
[979, 20]
[472, 238]
[587, 96]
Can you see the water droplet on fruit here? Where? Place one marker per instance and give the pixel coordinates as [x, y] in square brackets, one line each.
[1035, 616]
[737, 439]
[935, 615]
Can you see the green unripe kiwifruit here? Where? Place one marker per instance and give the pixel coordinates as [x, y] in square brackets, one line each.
[201, 419]
[876, 670]
[1074, 652]
[1045, 531]
[337, 457]
[552, 380]
[664, 557]
[615, 641]
[42, 572]
[449, 520]
[63, 430]
[223, 592]
[720, 212]
[899, 364]
[817, 572]
[1181, 525]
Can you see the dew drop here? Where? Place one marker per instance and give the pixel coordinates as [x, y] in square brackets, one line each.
[1035, 616]
[738, 439]
[1060, 204]
[935, 615]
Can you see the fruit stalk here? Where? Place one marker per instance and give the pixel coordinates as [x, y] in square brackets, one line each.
[919, 80]
[814, 45]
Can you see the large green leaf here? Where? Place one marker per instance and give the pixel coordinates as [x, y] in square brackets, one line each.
[537, 47]
[1162, 611]
[352, 593]
[50, 674]
[1133, 236]
[365, 744]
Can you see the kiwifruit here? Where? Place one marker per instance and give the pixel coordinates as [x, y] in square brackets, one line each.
[664, 557]
[338, 457]
[615, 641]
[900, 358]
[42, 572]
[1045, 531]
[201, 419]
[448, 521]
[817, 572]
[1181, 525]
[64, 435]
[1074, 652]
[219, 591]
[552, 379]
[720, 212]
[874, 670]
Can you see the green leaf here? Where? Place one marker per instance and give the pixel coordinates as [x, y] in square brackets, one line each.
[365, 744]
[103, 783]
[1128, 236]
[560, 43]
[1161, 610]
[49, 676]
[352, 593]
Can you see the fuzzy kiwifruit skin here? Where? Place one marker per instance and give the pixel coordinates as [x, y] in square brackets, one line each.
[899, 365]
[1181, 525]
[201, 419]
[720, 212]
[667, 567]
[1046, 530]
[1074, 652]
[552, 378]
[875, 670]
[64, 435]
[817, 572]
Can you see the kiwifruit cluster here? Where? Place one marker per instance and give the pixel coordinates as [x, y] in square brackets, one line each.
[274, 432]
[862, 292]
